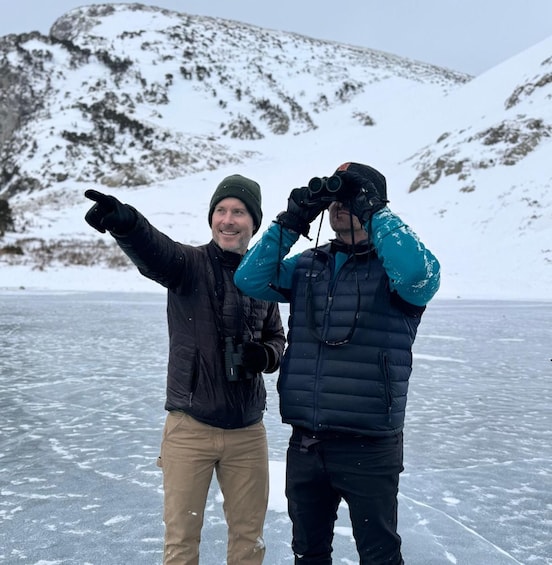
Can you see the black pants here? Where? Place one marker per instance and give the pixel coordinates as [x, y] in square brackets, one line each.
[360, 470]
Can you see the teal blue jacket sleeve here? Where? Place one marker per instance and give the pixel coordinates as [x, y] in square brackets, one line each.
[413, 271]
[265, 272]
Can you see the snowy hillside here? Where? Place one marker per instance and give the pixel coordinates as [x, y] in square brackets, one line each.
[131, 94]
[487, 179]
[157, 107]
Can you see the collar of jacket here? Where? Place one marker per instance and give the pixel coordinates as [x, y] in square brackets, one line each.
[359, 249]
[228, 259]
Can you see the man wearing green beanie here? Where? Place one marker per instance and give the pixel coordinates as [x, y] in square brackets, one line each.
[244, 189]
[220, 343]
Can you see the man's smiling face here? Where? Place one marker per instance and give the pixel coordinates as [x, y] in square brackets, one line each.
[232, 225]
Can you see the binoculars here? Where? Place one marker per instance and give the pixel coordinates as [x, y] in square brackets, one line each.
[330, 188]
[233, 361]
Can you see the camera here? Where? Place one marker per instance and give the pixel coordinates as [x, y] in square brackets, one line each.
[330, 188]
[233, 361]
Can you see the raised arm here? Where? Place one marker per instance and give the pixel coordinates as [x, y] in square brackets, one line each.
[264, 272]
[155, 255]
[413, 271]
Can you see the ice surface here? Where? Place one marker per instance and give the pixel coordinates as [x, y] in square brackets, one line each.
[82, 380]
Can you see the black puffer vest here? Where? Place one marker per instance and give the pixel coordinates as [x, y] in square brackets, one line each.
[349, 358]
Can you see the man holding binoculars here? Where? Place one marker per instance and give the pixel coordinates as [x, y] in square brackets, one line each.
[355, 306]
[220, 343]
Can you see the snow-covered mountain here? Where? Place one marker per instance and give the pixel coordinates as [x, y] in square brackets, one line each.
[156, 107]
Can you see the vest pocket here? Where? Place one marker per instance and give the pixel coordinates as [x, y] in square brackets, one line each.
[384, 366]
[194, 376]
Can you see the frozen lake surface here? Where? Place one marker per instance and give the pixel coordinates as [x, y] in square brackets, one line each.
[82, 380]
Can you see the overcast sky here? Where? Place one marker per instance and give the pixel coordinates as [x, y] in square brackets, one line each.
[465, 35]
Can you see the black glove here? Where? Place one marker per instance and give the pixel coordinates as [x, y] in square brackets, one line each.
[255, 356]
[109, 214]
[367, 200]
[301, 211]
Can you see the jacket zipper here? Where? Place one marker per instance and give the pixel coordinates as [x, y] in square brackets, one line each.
[326, 318]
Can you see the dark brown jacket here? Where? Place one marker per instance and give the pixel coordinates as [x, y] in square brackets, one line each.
[198, 322]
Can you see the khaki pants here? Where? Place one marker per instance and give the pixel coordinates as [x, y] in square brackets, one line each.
[190, 451]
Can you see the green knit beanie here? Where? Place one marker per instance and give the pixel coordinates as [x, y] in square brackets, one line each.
[246, 190]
